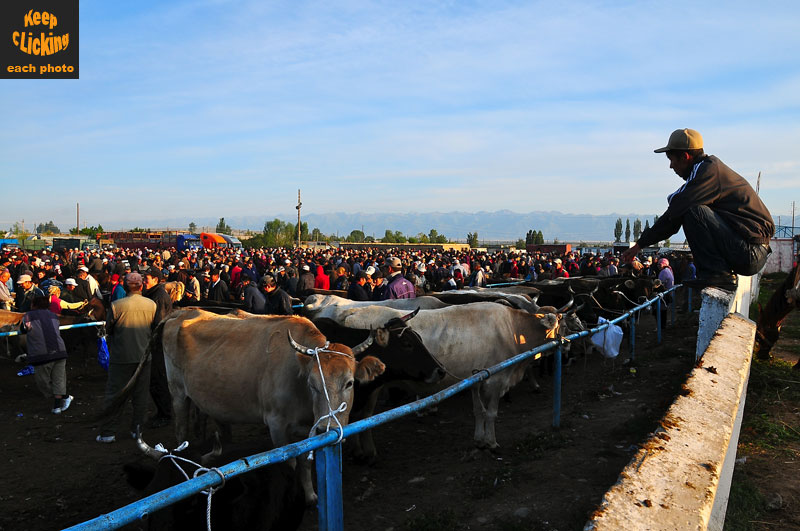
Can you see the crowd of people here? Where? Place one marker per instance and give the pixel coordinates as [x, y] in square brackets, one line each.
[265, 280]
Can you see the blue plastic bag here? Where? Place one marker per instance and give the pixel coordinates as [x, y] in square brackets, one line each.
[102, 352]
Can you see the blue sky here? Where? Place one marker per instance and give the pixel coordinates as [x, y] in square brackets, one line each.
[218, 108]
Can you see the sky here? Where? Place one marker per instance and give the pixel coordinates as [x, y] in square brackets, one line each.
[226, 108]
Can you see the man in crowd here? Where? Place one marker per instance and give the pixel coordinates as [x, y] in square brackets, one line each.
[218, 289]
[26, 293]
[254, 300]
[398, 287]
[726, 224]
[128, 324]
[159, 387]
[6, 299]
[278, 301]
[357, 290]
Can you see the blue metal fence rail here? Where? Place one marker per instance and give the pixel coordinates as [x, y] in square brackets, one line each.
[65, 327]
[328, 459]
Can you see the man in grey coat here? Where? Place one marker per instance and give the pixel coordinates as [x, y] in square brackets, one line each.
[128, 324]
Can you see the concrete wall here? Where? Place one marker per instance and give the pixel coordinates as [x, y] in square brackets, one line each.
[782, 257]
[680, 478]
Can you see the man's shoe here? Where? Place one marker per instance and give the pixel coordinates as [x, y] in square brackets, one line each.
[65, 402]
[107, 439]
[720, 279]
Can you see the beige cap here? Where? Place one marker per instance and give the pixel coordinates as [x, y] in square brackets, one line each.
[394, 262]
[682, 140]
[24, 278]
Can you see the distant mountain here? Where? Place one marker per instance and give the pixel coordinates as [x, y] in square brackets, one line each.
[501, 225]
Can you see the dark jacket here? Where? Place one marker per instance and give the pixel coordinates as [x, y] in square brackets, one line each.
[160, 296]
[218, 292]
[279, 303]
[357, 292]
[305, 284]
[44, 339]
[254, 300]
[723, 190]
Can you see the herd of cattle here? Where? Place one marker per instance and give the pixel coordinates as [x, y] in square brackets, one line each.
[290, 372]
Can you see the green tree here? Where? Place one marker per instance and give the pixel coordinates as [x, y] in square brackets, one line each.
[433, 236]
[17, 230]
[646, 224]
[627, 230]
[135, 229]
[637, 228]
[539, 238]
[355, 236]
[399, 237]
[667, 243]
[317, 236]
[88, 231]
[472, 239]
[555, 241]
[47, 228]
[193, 227]
[388, 237]
[223, 228]
[618, 230]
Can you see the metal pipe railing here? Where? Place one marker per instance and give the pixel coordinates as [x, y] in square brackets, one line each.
[329, 469]
[65, 327]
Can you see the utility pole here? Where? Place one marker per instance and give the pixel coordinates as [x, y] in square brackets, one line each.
[78, 218]
[299, 204]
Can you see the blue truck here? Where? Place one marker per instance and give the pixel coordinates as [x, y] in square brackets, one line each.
[188, 242]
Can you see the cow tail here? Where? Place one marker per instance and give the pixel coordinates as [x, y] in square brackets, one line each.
[115, 403]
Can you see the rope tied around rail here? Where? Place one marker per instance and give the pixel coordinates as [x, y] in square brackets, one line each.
[314, 352]
[200, 469]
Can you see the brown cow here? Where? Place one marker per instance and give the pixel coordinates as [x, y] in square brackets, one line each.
[246, 368]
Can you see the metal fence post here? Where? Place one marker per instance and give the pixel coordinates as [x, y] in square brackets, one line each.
[633, 337]
[329, 487]
[658, 320]
[557, 390]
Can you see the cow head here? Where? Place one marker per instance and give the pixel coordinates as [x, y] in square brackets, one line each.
[405, 354]
[331, 371]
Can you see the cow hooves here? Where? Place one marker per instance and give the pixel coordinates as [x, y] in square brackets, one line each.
[311, 501]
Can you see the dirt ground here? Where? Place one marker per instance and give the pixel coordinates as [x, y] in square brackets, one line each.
[766, 485]
[428, 475]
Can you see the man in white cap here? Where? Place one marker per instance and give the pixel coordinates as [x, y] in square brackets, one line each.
[726, 224]
[5, 294]
[27, 292]
[306, 281]
[84, 289]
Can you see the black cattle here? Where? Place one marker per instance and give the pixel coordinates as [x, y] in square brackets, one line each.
[268, 498]
[402, 351]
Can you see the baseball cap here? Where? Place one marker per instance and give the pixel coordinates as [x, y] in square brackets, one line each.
[370, 270]
[70, 282]
[135, 279]
[682, 140]
[306, 267]
[24, 278]
[394, 262]
[83, 268]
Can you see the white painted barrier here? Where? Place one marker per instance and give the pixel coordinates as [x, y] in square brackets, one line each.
[681, 477]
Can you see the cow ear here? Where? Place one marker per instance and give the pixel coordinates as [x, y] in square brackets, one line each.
[549, 321]
[369, 368]
[382, 337]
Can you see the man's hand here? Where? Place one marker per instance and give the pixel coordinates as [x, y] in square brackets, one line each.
[629, 254]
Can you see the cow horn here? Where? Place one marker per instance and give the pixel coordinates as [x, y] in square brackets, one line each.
[364, 345]
[410, 316]
[298, 347]
[577, 308]
[146, 449]
[215, 452]
[566, 306]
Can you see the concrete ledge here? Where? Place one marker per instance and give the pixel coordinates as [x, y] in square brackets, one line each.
[680, 478]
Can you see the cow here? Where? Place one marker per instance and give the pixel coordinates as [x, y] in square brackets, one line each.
[329, 306]
[771, 315]
[467, 296]
[279, 370]
[267, 498]
[402, 352]
[466, 339]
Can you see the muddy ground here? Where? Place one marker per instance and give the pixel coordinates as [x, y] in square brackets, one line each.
[428, 475]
